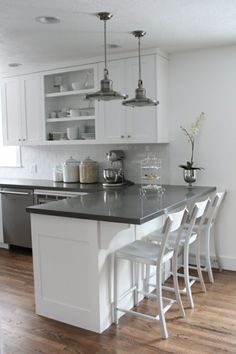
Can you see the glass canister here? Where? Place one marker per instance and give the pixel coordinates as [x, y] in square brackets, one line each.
[89, 171]
[70, 170]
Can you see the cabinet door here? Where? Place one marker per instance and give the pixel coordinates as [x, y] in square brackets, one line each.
[32, 108]
[142, 121]
[11, 111]
[163, 97]
[111, 114]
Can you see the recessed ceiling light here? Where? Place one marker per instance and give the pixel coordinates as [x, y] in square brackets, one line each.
[47, 20]
[14, 65]
[113, 46]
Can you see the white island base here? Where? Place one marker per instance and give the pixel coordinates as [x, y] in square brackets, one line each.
[73, 267]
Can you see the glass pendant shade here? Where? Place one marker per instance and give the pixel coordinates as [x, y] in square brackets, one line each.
[140, 99]
[106, 92]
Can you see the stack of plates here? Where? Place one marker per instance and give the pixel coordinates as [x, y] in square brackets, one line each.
[87, 135]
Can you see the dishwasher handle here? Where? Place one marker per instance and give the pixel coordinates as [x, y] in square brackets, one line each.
[15, 193]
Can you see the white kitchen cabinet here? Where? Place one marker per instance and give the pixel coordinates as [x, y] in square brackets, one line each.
[119, 124]
[141, 121]
[112, 114]
[66, 105]
[22, 106]
[11, 111]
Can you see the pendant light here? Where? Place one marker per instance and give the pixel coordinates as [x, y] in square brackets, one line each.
[106, 92]
[140, 99]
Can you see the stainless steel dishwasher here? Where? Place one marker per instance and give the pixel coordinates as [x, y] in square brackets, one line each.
[16, 222]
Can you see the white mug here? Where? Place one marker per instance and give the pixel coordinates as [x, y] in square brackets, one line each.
[73, 112]
[53, 114]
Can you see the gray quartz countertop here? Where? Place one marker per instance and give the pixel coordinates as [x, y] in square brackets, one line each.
[50, 185]
[123, 205]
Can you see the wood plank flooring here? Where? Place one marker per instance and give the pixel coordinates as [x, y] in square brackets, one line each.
[209, 328]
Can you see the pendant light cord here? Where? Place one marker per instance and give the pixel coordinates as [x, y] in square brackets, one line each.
[140, 83]
[105, 48]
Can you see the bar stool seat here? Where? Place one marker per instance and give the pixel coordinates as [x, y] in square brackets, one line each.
[144, 252]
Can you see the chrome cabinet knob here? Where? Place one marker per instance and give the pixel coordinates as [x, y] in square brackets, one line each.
[129, 136]
[122, 136]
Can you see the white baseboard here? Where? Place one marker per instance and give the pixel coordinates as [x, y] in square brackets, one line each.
[4, 245]
[228, 263]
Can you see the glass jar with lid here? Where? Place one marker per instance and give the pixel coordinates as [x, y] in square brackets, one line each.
[89, 171]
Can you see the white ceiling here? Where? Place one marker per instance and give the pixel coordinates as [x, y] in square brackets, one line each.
[172, 25]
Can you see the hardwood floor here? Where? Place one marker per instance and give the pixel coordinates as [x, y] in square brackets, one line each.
[209, 328]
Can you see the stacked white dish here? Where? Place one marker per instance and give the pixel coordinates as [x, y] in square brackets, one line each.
[72, 133]
[77, 86]
[87, 135]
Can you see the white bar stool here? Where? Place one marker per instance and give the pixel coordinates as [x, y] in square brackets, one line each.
[206, 228]
[142, 252]
[187, 238]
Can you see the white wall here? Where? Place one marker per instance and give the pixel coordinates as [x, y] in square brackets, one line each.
[48, 157]
[205, 80]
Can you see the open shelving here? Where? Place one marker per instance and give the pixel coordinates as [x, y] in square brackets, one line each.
[62, 96]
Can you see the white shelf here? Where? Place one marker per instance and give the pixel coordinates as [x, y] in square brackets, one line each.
[69, 93]
[71, 142]
[70, 119]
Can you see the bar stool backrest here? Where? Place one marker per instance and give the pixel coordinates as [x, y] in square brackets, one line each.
[217, 203]
[210, 215]
[199, 210]
[174, 222]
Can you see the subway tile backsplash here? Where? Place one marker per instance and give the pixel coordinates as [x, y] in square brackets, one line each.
[38, 162]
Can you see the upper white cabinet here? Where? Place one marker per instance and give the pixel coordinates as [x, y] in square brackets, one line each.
[142, 121]
[69, 116]
[51, 108]
[112, 114]
[120, 124]
[22, 108]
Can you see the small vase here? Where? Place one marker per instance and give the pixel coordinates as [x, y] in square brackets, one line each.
[189, 176]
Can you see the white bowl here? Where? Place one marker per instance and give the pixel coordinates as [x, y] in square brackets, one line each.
[77, 85]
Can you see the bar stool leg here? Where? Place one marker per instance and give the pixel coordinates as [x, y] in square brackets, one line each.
[198, 261]
[160, 302]
[146, 281]
[207, 237]
[115, 291]
[176, 284]
[186, 275]
[217, 253]
[136, 279]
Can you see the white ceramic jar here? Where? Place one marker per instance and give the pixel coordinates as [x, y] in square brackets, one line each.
[70, 170]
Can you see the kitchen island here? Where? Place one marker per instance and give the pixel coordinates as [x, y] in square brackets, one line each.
[73, 243]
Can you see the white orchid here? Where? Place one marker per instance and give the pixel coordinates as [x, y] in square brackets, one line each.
[191, 135]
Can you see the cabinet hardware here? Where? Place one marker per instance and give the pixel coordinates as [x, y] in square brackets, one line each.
[128, 136]
[122, 136]
[15, 193]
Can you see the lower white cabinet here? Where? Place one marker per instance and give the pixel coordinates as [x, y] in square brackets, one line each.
[22, 109]
[120, 124]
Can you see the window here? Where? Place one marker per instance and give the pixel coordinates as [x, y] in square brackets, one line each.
[10, 156]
